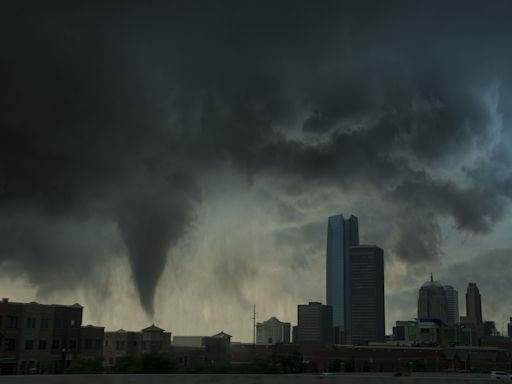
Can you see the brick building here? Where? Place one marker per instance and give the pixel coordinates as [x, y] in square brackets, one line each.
[39, 338]
[122, 344]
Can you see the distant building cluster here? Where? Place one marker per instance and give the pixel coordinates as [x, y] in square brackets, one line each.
[38, 338]
[354, 313]
[438, 321]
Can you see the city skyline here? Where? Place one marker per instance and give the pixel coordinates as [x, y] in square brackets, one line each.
[51, 339]
[175, 161]
[435, 301]
[314, 320]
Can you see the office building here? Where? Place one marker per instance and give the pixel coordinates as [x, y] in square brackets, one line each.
[92, 340]
[432, 302]
[272, 331]
[404, 331]
[489, 329]
[430, 332]
[314, 323]
[341, 235]
[367, 294]
[295, 334]
[509, 328]
[452, 299]
[473, 319]
[473, 305]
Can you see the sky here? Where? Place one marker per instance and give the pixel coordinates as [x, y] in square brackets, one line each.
[176, 162]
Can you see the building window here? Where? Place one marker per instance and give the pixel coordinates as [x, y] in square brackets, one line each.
[120, 345]
[45, 323]
[10, 345]
[97, 344]
[72, 344]
[88, 344]
[42, 345]
[57, 323]
[74, 323]
[135, 343]
[29, 345]
[12, 322]
[106, 343]
[55, 344]
[31, 322]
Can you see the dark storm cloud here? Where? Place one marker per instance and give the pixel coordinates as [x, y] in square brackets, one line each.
[233, 273]
[55, 254]
[308, 241]
[114, 113]
[420, 235]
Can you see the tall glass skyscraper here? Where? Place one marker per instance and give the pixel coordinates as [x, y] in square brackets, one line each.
[341, 235]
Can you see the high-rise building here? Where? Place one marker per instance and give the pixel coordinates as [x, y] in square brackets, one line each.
[489, 328]
[404, 330]
[341, 235]
[452, 298]
[473, 305]
[314, 323]
[272, 331]
[367, 291]
[432, 302]
[509, 328]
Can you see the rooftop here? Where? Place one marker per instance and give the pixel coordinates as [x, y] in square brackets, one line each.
[153, 328]
[223, 335]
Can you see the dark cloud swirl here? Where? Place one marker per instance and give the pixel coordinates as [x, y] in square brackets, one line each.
[113, 112]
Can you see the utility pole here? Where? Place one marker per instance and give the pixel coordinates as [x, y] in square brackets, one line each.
[254, 325]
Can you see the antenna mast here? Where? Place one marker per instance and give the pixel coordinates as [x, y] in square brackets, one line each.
[254, 325]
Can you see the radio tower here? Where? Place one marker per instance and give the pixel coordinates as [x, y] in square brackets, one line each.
[254, 325]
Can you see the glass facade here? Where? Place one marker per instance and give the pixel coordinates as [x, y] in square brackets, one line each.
[341, 235]
[452, 297]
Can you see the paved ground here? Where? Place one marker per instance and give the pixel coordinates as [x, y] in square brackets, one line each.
[249, 379]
